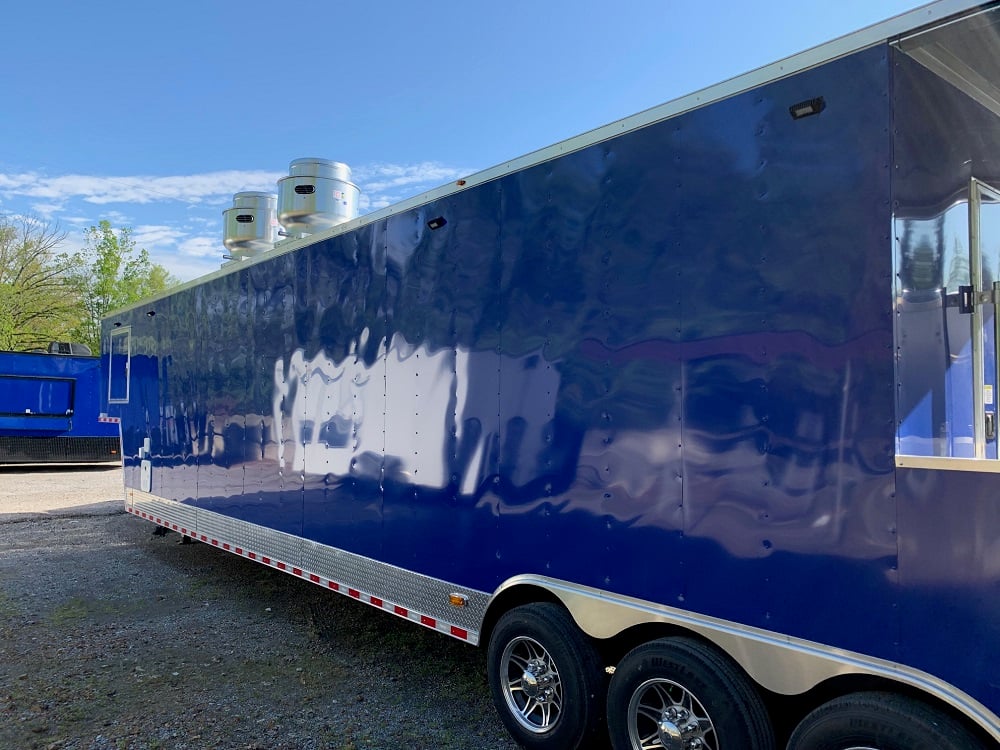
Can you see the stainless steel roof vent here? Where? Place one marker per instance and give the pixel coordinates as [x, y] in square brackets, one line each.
[316, 195]
[251, 225]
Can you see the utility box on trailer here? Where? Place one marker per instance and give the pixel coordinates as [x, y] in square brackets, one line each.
[690, 420]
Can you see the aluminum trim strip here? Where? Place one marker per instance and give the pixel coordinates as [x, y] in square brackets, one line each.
[404, 593]
[780, 663]
[948, 66]
[978, 353]
[886, 31]
[947, 463]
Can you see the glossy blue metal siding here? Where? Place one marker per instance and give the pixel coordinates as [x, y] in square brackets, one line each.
[646, 350]
[730, 384]
[62, 393]
[661, 366]
[949, 521]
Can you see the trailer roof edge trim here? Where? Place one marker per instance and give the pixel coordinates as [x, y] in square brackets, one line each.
[903, 25]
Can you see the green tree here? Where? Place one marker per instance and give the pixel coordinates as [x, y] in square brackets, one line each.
[35, 308]
[110, 272]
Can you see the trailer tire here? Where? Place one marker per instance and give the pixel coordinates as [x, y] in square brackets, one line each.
[880, 721]
[679, 692]
[546, 678]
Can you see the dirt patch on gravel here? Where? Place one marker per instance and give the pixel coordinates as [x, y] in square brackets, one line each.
[113, 638]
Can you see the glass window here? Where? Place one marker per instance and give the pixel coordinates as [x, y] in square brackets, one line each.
[118, 380]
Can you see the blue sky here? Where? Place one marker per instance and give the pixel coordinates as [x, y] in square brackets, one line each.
[151, 115]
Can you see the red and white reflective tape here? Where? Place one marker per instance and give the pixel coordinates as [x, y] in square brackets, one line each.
[421, 619]
[111, 420]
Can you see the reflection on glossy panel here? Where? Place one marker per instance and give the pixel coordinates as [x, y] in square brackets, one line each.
[630, 339]
[674, 365]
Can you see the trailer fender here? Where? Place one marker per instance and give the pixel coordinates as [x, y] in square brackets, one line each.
[777, 662]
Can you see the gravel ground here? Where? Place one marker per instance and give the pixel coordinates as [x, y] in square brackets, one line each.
[111, 638]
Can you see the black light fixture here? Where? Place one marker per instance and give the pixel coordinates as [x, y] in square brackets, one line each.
[150, 313]
[807, 108]
[436, 223]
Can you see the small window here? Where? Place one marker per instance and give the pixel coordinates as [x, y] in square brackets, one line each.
[947, 328]
[118, 366]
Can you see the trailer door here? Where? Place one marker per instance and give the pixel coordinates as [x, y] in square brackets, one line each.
[948, 328]
[984, 264]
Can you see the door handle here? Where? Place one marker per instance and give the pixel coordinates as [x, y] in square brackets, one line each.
[966, 300]
[991, 425]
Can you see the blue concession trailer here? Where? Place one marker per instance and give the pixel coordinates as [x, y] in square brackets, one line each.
[50, 404]
[691, 420]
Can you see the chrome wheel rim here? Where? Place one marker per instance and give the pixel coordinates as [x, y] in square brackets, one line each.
[531, 685]
[664, 714]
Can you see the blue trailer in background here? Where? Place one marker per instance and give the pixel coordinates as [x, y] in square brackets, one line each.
[690, 420]
[50, 406]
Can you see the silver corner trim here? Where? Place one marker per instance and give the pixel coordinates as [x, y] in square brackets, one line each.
[947, 463]
[780, 663]
[413, 596]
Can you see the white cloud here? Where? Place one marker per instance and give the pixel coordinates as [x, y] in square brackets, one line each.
[202, 247]
[184, 256]
[186, 267]
[178, 218]
[47, 210]
[377, 179]
[149, 236]
[211, 187]
[116, 218]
